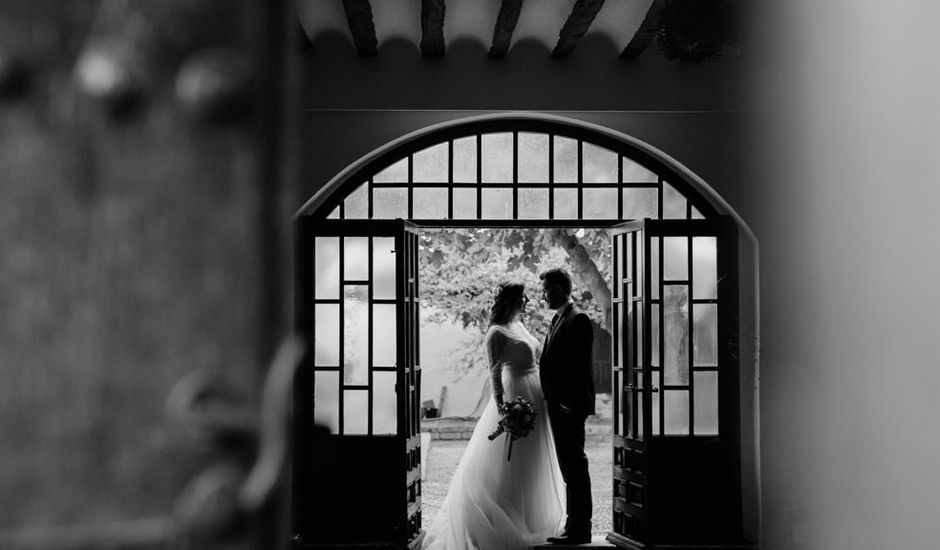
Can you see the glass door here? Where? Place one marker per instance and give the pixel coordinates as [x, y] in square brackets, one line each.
[676, 440]
[632, 390]
[357, 459]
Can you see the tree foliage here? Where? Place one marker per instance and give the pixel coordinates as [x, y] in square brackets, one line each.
[461, 268]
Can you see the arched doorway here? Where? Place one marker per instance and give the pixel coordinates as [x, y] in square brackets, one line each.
[677, 440]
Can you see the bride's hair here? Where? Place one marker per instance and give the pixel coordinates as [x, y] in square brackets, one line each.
[507, 294]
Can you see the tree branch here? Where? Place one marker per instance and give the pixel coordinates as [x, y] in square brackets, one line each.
[588, 271]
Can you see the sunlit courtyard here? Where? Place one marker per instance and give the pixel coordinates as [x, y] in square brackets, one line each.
[443, 456]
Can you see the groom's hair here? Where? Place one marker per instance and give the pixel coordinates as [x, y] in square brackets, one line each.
[557, 276]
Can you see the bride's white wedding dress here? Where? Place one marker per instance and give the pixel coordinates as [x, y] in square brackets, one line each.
[492, 503]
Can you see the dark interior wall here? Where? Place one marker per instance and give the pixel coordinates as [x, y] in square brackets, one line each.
[847, 218]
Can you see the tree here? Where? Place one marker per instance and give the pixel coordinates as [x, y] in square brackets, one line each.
[461, 268]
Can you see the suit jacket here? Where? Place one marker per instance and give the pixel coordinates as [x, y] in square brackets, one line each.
[566, 364]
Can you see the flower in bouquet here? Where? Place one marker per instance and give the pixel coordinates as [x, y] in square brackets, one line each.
[517, 420]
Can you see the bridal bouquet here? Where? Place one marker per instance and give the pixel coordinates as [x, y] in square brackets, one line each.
[517, 421]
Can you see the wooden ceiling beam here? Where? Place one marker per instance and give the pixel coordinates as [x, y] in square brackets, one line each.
[578, 23]
[646, 33]
[505, 25]
[361, 26]
[432, 28]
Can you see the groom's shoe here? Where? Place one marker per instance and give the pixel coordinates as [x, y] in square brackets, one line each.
[569, 538]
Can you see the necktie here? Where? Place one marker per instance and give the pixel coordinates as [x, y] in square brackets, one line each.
[551, 330]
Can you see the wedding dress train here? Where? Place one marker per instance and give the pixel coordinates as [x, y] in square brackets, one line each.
[499, 504]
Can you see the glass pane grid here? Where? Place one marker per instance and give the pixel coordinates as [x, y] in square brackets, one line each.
[355, 289]
[590, 182]
[689, 406]
[531, 176]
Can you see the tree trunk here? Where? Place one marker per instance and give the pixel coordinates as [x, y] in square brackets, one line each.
[586, 267]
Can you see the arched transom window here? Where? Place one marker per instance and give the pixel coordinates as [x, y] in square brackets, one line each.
[516, 176]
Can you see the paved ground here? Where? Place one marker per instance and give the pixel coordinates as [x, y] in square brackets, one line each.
[443, 456]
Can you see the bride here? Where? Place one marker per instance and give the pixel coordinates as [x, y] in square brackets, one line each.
[494, 503]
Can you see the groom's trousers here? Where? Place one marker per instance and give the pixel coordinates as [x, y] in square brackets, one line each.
[568, 431]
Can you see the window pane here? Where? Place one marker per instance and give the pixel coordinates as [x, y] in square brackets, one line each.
[326, 260]
[566, 204]
[629, 333]
[600, 203]
[384, 335]
[326, 399]
[705, 334]
[628, 256]
[356, 258]
[640, 202]
[383, 268]
[618, 396]
[599, 165]
[497, 204]
[533, 158]
[641, 259]
[673, 203]
[355, 334]
[384, 403]
[633, 172]
[656, 404]
[356, 205]
[677, 412]
[675, 258]
[654, 267]
[430, 204]
[654, 334]
[640, 432]
[706, 403]
[430, 165]
[696, 215]
[621, 335]
[396, 173]
[615, 265]
[326, 335]
[566, 160]
[676, 334]
[465, 160]
[334, 215]
[640, 327]
[704, 267]
[465, 204]
[355, 412]
[621, 262]
[390, 203]
[629, 415]
[533, 203]
[497, 158]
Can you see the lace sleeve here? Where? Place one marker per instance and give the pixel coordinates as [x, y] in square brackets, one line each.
[495, 342]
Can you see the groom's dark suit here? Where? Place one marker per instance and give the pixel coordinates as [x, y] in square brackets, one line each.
[566, 372]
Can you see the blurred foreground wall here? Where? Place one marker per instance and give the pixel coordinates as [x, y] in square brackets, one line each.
[849, 272]
[129, 256]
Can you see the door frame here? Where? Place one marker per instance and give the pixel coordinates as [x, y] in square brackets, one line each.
[305, 233]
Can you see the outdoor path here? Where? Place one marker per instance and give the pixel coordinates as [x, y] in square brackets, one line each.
[443, 455]
[597, 541]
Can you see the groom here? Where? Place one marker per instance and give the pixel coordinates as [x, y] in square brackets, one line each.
[566, 368]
